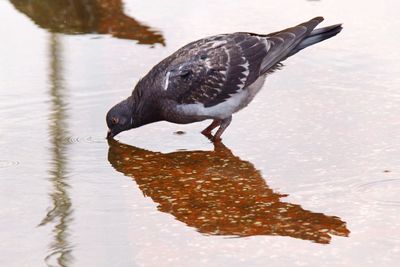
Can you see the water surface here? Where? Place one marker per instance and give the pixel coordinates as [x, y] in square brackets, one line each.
[307, 175]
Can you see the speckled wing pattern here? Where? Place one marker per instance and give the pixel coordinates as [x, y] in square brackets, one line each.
[210, 70]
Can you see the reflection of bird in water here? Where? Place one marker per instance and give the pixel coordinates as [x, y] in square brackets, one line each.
[87, 16]
[219, 194]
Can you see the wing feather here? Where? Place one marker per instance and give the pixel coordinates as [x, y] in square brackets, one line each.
[211, 70]
[216, 68]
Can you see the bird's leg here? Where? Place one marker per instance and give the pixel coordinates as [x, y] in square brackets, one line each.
[224, 124]
[207, 131]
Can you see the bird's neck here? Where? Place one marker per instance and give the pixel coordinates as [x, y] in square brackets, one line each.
[145, 109]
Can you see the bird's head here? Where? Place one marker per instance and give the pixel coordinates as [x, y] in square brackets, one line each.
[119, 118]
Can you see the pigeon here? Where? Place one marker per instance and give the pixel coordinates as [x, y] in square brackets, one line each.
[212, 78]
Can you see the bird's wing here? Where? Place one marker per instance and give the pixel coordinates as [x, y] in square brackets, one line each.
[211, 70]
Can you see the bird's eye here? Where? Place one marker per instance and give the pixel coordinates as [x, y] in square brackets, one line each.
[114, 120]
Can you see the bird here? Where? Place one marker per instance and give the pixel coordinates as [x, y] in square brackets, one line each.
[212, 78]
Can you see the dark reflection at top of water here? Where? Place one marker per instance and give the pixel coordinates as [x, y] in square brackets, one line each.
[87, 16]
[219, 194]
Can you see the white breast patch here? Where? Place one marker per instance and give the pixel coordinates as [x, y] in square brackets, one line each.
[225, 109]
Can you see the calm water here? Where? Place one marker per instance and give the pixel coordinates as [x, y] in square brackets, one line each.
[308, 174]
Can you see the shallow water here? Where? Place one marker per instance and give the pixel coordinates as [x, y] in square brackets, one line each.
[308, 174]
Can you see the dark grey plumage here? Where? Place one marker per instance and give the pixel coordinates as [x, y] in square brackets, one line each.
[214, 77]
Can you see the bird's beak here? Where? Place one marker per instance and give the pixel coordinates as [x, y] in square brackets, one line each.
[109, 134]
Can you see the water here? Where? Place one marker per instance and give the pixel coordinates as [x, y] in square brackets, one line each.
[308, 174]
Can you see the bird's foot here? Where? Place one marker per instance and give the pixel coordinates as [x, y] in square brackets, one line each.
[216, 139]
[207, 133]
[224, 124]
[209, 136]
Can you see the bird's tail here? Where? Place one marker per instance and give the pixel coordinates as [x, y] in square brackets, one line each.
[316, 36]
[288, 42]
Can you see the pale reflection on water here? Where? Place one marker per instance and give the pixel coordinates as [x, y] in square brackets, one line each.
[315, 156]
[60, 212]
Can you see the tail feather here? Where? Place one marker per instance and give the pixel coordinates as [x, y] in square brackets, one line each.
[316, 36]
[288, 42]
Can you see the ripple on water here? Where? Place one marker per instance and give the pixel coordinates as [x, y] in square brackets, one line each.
[7, 163]
[85, 139]
[384, 192]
